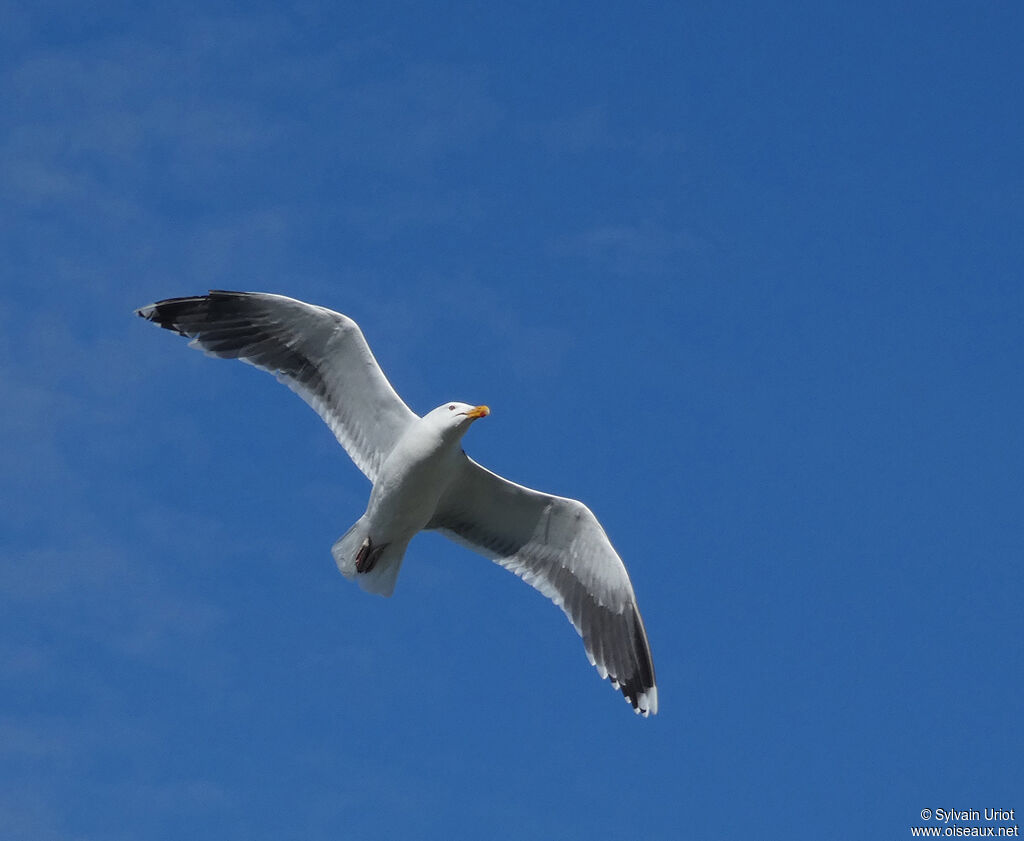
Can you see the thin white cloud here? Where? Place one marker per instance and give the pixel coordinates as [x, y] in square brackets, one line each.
[597, 128]
[630, 250]
[584, 129]
[415, 117]
[30, 813]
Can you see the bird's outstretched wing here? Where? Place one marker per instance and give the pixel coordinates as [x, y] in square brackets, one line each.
[319, 354]
[557, 546]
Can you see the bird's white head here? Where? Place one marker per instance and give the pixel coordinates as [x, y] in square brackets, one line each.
[455, 418]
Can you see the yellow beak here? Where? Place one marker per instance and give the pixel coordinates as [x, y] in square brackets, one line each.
[478, 412]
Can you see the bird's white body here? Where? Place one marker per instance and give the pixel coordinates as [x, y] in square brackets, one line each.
[411, 482]
[416, 473]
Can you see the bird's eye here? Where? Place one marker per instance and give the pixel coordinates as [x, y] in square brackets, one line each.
[451, 408]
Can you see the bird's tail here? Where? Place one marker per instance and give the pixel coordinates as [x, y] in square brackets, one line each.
[381, 578]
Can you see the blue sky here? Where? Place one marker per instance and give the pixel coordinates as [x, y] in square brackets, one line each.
[745, 278]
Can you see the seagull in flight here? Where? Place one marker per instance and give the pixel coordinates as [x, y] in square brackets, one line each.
[423, 479]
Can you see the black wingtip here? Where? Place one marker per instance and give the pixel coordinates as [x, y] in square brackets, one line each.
[642, 684]
[151, 313]
[170, 312]
[159, 313]
[163, 311]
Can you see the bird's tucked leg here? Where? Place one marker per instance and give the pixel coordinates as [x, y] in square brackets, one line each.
[367, 555]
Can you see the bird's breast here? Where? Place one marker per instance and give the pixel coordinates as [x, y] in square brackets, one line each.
[411, 481]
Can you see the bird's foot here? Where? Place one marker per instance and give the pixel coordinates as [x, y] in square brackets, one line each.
[367, 555]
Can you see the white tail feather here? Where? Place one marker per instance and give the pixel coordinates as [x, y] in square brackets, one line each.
[381, 579]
